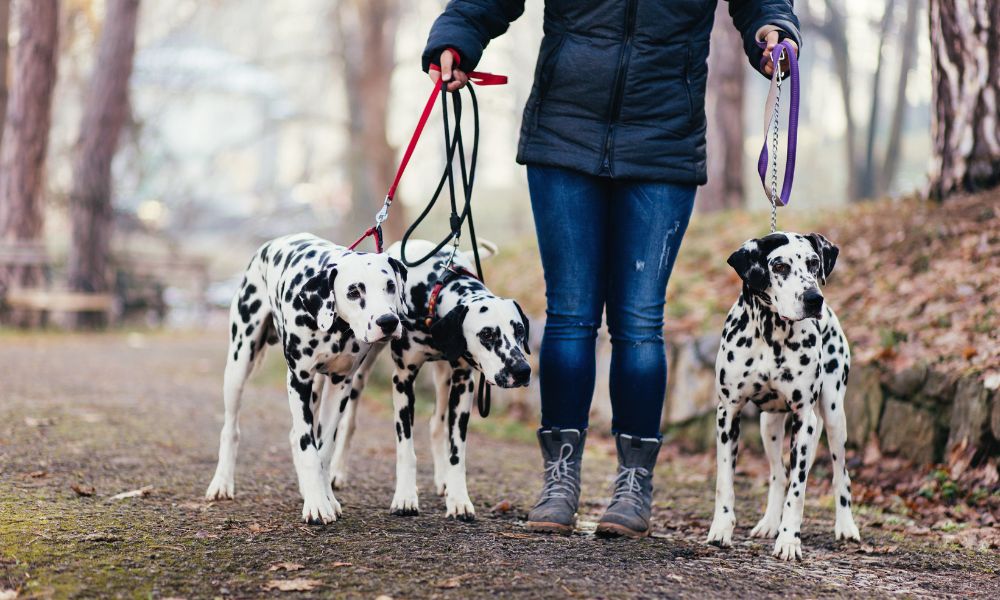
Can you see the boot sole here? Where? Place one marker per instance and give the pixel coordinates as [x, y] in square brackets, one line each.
[548, 527]
[613, 530]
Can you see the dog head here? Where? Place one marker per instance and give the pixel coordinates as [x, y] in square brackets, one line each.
[785, 270]
[364, 290]
[492, 333]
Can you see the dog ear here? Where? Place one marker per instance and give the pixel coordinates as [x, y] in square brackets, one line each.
[401, 296]
[399, 268]
[527, 327]
[828, 254]
[317, 298]
[447, 335]
[748, 263]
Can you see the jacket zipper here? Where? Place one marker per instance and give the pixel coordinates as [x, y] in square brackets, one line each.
[616, 101]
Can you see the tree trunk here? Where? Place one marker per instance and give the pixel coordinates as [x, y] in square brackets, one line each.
[368, 35]
[26, 134]
[835, 32]
[869, 176]
[965, 71]
[724, 108]
[104, 113]
[4, 33]
[908, 51]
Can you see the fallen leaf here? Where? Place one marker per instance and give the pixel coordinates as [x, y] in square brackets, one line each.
[503, 507]
[451, 582]
[516, 536]
[83, 490]
[292, 585]
[8, 594]
[37, 474]
[677, 578]
[286, 566]
[33, 422]
[256, 528]
[341, 564]
[139, 493]
[383, 597]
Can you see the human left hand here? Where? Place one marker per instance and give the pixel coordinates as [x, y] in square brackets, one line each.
[772, 40]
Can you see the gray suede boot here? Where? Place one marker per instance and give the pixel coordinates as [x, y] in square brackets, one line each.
[631, 505]
[555, 511]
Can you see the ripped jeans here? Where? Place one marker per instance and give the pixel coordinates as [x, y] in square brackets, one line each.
[605, 244]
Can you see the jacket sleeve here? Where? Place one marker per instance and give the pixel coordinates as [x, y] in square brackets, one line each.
[467, 26]
[750, 15]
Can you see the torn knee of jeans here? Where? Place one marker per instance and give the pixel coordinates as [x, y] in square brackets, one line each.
[655, 337]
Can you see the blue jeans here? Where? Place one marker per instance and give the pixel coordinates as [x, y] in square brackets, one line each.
[605, 244]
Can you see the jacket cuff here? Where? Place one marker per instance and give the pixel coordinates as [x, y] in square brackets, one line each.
[468, 47]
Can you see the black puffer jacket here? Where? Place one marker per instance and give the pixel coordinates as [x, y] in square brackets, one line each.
[620, 84]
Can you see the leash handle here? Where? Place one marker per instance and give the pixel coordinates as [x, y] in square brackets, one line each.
[784, 48]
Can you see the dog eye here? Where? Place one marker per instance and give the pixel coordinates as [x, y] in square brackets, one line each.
[781, 269]
[486, 335]
[353, 294]
[813, 265]
[390, 287]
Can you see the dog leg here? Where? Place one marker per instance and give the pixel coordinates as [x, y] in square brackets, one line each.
[303, 400]
[459, 506]
[788, 546]
[727, 430]
[836, 438]
[334, 404]
[404, 501]
[772, 431]
[246, 346]
[345, 432]
[440, 445]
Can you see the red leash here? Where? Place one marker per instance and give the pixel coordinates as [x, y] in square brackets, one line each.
[476, 77]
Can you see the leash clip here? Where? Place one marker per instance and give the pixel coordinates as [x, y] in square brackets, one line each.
[383, 212]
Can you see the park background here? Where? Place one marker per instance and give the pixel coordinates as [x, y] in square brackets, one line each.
[148, 148]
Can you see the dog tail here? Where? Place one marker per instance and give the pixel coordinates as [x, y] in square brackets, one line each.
[487, 249]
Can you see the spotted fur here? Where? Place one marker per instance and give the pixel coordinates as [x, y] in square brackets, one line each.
[473, 331]
[784, 350]
[329, 308]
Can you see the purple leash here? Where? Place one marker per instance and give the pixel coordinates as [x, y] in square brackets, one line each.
[771, 114]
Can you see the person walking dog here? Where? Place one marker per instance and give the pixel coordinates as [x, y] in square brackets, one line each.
[613, 137]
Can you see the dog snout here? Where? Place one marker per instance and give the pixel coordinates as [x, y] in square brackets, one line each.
[520, 374]
[387, 323]
[812, 301]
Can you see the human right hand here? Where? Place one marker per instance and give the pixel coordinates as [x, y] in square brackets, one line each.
[449, 72]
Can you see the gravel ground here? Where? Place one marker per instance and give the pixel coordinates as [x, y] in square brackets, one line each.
[115, 413]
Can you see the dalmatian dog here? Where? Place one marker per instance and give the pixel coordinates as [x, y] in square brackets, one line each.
[468, 330]
[329, 307]
[783, 349]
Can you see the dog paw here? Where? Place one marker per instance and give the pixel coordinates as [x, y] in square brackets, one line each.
[845, 529]
[721, 532]
[320, 511]
[460, 509]
[788, 547]
[220, 489]
[766, 528]
[405, 505]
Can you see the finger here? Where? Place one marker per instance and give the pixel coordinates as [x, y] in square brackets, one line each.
[446, 64]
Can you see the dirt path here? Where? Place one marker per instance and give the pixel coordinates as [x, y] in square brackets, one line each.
[122, 412]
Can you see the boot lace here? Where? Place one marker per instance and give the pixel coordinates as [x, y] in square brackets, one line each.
[628, 486]
[560, 481]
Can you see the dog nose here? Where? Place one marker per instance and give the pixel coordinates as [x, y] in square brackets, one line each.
[521, 373]
[812, 300]
[387, 323]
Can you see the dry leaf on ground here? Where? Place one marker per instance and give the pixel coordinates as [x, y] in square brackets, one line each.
[83, 490]
[139, 493]
[292, 585]
[286, 566]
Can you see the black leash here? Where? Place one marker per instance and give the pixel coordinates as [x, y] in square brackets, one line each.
[454, 144]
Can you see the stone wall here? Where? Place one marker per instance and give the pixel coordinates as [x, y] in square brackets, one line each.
[916, 413]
